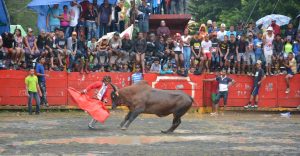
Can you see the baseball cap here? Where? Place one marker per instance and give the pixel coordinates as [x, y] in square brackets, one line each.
[270, 29]
[258, 62]
[30, 30]
[209, 22]
[223, 25]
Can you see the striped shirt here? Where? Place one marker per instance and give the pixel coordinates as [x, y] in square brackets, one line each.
[137, 77]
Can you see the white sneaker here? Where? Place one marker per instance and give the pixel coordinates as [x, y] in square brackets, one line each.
[287, 91]
[91, 127]
[213, 114]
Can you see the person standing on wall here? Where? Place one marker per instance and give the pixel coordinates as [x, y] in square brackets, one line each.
[40, 72]
[258, 79]
[33, 91]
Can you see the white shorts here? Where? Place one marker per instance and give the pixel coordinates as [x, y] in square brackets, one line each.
[268, 56]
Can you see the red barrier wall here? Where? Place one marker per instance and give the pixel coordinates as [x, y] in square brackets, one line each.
[272, 92]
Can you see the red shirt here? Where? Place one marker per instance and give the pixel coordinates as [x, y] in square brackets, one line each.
[276, 29]
[97, 85]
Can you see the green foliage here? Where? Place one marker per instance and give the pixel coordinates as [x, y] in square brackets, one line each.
[233, 11]
[20, 14]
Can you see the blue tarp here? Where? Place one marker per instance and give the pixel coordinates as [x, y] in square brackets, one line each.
[41, 8]
[4, 20]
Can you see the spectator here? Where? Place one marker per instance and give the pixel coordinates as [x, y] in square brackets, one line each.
[155, 67]
[223, 46]
[178, 50]
[196, 51]
[215, 27]
[83, 52]
[163, 30]
[167, 68]
[290, 31]
[268, 49]
[137, 76]
[168, 6]
[163, 5]
[40, 72]
[41, 44]
[231, 55]
[50, 48]
[74, 55]
[291, 71]
[251, 29]
[258, 51]
[156, 6]
[65, 21]
[222, 32]
[143, 17]
[258, 79]
[215, 58]
[250, 56]
[140, 49]
[169, 49]
[103, 48]
[202, 32]
[61, 50]
[288, 47]
[104, 18]
[115, 45]
[276, 28]
[209, 26]
[90, 17]
[296, 50]
[19, 47]
[74, 16]
[31, 50]
[277, 53]
[92, 49]
[8, 49]
[242, 46]
[231, 31]
[116, 20]
[84, 6]
[224, 83]
[53, 21]
[206, 51]
[132, 13]
[151, 48]
[160, 47]
[122, 16]
[127, 47]
[33, 91]
[186, 39]
[175, 6]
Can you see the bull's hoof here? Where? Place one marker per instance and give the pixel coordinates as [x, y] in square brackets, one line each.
[166, 132]
[123, 128]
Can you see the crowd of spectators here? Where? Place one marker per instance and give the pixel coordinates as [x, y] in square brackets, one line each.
[71, 43]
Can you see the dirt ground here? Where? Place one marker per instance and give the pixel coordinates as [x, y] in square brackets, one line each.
[66, 133]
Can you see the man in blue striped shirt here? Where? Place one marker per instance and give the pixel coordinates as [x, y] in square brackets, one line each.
[137, 76]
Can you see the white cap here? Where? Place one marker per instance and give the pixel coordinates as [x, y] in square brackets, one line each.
[258, 62]
[223, 25]
[209, 22]
[270, 29]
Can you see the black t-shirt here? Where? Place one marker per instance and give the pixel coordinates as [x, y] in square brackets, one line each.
[196, 45]
[61, 42]
[117, 10]
[91, 15]
[81, 46]
[232, 47]
[151, 47]
[242, 46]
[127, 45]
[259, 74]
[169, 46]
[49, 42]
[214, 45]
[41, 42]
[223, 47]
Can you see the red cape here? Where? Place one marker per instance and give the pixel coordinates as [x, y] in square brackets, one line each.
[94, 107]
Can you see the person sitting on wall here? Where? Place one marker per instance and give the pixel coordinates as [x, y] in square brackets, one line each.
[163, 30]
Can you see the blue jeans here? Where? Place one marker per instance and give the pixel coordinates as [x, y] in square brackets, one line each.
[92, 28]
[259, 56]
[121, 26]
[187, 56]
[221, 94]
[37, 100]
[73, 59]
[66, 31]
[102, 29]
[43, 90]
[215, 60]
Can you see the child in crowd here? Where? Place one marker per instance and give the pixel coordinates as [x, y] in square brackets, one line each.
[291, 68]
[155, 67]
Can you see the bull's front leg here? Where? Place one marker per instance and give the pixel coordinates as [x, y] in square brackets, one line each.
[125, 119]
[132, 116]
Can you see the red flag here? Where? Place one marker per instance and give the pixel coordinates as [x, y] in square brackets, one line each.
[94, 107]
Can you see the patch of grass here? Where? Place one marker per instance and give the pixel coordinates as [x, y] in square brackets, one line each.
[20, 14]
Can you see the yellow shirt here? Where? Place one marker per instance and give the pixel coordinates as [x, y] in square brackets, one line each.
[31, 82]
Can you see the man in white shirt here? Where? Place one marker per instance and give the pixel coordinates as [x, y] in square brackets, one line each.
[74, 14]
[222, 32]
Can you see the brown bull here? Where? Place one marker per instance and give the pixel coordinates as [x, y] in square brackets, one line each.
[141, 98]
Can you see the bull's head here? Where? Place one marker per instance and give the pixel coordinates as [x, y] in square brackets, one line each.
[115, 96]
